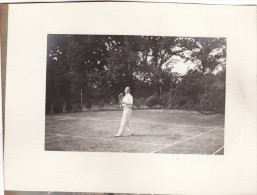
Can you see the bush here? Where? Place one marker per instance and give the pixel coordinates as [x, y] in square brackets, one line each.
[198, 92]
[77, 108]
[68, 107]
[152, 101]
[139, 102]
[176, 102]
[89, 104]
[213, 98]
[165, 98]
[213, 101]
[57, 108]
[101, 103]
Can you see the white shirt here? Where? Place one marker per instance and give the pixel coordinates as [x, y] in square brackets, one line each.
[128, 99]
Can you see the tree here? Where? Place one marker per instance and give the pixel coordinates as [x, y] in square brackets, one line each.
[209, 54]
[101, 66]
[122, 63]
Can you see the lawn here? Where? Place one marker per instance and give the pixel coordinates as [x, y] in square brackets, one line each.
[157, 131]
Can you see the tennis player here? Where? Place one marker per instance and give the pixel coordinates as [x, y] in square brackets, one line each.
[127, 103]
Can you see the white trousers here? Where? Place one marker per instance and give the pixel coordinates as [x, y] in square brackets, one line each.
[125, 121]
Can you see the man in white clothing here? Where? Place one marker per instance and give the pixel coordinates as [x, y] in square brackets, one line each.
[127, 103]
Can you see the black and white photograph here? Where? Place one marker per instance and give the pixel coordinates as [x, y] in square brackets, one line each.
[130, 98]
[135, 94]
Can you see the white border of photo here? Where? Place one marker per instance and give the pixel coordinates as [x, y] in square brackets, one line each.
[29, 168]
[211, 2]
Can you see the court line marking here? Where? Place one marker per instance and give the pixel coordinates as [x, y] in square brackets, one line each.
[83, 137]
[218, 150]
[184, 140]
[134, 123]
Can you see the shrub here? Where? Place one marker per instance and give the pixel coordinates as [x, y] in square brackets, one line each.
[213, 101]
[152, 101]
[57, 108]
[213, 98]
[77, 108]
[176, 102]
[101, 103]
[165, 98]
[139, 102]
[197, 91]
[68, 107]
[89, 104]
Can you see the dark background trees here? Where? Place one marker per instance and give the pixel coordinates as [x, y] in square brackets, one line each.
[100, 66]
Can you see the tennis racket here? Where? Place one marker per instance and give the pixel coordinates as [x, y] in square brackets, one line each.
[121, 98]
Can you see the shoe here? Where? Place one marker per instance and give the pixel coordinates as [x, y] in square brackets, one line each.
[131, 134]
[118, 135]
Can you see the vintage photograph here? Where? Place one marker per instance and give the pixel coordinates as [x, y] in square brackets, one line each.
[135, 94]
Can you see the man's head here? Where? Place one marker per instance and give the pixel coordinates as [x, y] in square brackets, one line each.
[127, 90]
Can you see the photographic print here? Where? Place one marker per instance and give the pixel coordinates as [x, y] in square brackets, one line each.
[135, 94]
[129, 97]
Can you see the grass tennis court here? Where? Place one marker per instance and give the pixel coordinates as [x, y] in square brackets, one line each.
[157, 131]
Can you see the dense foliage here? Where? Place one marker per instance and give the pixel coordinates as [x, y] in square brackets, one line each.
[100, 66]
[152, 101]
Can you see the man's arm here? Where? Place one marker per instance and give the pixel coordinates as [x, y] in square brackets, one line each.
[127, 103]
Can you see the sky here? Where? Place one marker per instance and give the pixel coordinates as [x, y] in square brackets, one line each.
[182, 67]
